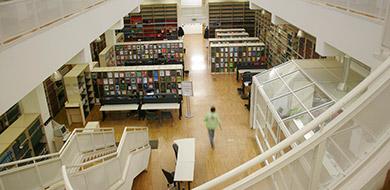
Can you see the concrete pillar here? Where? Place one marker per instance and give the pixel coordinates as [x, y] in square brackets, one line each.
[342, 86]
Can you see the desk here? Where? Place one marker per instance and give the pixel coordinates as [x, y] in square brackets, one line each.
[118, 107]
[185, 163]
[186, 149]
[240, 71]
[162, 106]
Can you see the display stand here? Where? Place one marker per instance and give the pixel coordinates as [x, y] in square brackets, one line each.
[187, 90]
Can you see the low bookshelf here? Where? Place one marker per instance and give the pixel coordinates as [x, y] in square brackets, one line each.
[135, 81]
[143, 53]
[225, 57]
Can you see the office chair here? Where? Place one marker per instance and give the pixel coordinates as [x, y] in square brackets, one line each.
[175, 148]
[170, 178]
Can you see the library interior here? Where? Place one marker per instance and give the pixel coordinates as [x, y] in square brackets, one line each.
[194, 94]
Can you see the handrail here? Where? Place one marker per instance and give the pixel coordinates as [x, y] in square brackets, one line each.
[300, 133]
[115, 155]
[67, 183]
[59, 153]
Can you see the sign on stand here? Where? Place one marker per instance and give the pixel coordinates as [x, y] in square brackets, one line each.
[187, 91]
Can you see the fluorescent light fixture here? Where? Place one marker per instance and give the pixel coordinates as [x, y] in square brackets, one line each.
[191, 3]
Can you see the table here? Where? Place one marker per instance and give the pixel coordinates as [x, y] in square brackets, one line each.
[162, 106]
[185, 163]
[118, 107]
[240, 71]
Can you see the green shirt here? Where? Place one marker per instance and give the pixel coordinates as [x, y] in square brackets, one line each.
[212, 120]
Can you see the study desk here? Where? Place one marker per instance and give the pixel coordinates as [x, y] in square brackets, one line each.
[118, 107]
[185, 163]
[186, 149]
[241, 71]
[162, 106]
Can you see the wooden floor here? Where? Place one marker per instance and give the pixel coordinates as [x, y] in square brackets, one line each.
[234, 144]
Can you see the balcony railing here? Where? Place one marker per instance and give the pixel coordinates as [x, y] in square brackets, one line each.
[21, 17]
[375, 9]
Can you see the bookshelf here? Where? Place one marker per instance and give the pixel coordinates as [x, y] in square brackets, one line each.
[154, 22]
[282, 43]
[25, 138]
[143, 53]
[232, 35]
[80, 93]
[55, 91]
[225, 57]
[229, 30]
[135, 80]
[234, 40]
[9, 117]
[228, 15]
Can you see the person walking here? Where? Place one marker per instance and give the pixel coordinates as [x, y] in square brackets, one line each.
[212, 121]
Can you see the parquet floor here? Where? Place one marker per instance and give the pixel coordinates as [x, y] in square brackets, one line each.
[235, 143]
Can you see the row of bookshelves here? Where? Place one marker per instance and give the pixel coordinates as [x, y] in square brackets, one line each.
[143, 53]
[232, 35]
[23, 139]
[282, 42]
[234, 40]
[230, 15]
[9, 117]
[80, 92]
[154, 22]
[225, 57]
[137, 80]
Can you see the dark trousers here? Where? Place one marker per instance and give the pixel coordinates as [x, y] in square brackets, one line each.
[211, 137]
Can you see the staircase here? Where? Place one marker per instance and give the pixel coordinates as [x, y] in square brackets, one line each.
[344, 148]
[86, 150]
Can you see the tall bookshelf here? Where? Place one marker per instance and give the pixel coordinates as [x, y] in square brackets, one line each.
[25, 138]
[55, 91]
[80, 93]
[225, 57]
[143, 53]
[154, 22]
[226, 15]
[9, 117]
[135, 80]
[282, 42]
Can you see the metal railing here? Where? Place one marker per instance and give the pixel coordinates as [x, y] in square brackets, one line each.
[314, 144]
[128, 161]
[46, 167]
[21, 17]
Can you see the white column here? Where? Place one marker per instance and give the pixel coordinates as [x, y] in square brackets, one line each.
[83, 57]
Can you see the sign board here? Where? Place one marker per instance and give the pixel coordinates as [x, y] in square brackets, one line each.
[186, 88]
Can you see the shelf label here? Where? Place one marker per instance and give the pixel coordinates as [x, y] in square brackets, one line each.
[186, 87]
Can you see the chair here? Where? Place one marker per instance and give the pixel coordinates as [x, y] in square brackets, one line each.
[175, 148]
[166, 115]
[170, 178]
[152, 116]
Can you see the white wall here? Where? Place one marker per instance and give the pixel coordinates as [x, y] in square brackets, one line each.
[26, 64]
[354, 35]
[35, 102]
[193, 28]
